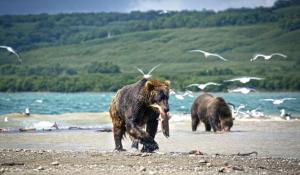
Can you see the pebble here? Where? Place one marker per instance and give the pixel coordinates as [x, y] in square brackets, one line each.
[2, 170]
[142, 168]
[145, 155]
[202, 161]
[152, 172]
[18, 149]
[55, 163]
[40, 168]
[208, 165]
[223, 170]
[238, 168]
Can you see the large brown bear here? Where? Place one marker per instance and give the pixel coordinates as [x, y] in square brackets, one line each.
[135, 106]
[213, 112]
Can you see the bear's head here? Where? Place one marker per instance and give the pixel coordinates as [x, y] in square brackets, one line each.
[158, 95]
[225, 115]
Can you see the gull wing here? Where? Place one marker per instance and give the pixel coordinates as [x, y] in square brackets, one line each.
[255, 78]
[197, 50]
[268, 99]
[256, 56]
[140, 70]
[219, 56]
[212, 83]
[279, 54]
[289, 99]
[193, 85]
[153, 69]
[4, 47]
[233, 79]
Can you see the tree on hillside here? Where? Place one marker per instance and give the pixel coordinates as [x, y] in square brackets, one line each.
[286, 3]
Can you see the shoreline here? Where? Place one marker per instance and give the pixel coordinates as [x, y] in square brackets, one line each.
[268, 137]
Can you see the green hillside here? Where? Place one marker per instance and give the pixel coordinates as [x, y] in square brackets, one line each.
[108, 63]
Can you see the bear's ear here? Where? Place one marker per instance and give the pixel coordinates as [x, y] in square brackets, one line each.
[149, 86]
[168, 83]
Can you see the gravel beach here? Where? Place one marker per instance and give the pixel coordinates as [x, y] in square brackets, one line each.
[276, 143]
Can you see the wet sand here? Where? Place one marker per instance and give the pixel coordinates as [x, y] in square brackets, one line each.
[87, 151]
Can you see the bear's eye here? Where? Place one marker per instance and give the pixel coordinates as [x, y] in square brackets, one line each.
[162, 96]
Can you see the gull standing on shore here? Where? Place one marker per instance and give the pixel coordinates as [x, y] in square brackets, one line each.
[148, 75]
[207, 54]
[244, 79]
[267, 57]
[278, 101]
[203, 86]
[11, 50]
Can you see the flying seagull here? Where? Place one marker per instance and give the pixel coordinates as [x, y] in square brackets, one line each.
[207, 54]
[148, 75]
[278, 101]
[181, 95]
[267, 57]
[203, 86]
[244, 79]
[11, 50]
[244, 90]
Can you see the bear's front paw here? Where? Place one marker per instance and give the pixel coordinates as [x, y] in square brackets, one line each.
[150, 147]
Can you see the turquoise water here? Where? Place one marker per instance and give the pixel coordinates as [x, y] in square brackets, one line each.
[59, 103]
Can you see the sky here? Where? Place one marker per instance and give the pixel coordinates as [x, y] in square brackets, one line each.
[69, 6]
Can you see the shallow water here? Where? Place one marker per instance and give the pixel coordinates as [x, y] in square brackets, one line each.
[59, 103]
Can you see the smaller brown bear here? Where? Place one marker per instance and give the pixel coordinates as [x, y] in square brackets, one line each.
[213, 112]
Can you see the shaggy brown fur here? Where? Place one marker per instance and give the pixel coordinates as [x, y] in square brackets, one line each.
[213, 112]
[131, 110]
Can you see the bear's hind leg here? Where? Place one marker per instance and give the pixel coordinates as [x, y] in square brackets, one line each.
[119, 131]
[195, 122]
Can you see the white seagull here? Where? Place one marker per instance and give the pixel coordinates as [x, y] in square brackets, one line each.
[285, 115]
[5, 119]
[203, 86]
[148, 75]
[207, 54]
[244, 90]
[181, 96]
[267, 57]
[244, 79]
[278, 101]
[11, 50]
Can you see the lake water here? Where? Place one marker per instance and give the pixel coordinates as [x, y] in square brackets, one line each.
[59, 103]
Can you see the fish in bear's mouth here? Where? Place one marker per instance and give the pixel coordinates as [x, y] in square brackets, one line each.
[164, 120]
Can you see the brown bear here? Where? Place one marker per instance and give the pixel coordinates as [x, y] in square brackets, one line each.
[213, 112]
[135, 106]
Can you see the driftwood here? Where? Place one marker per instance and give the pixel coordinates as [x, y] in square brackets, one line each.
[240, 154]
[11, 164]
[26, 129]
